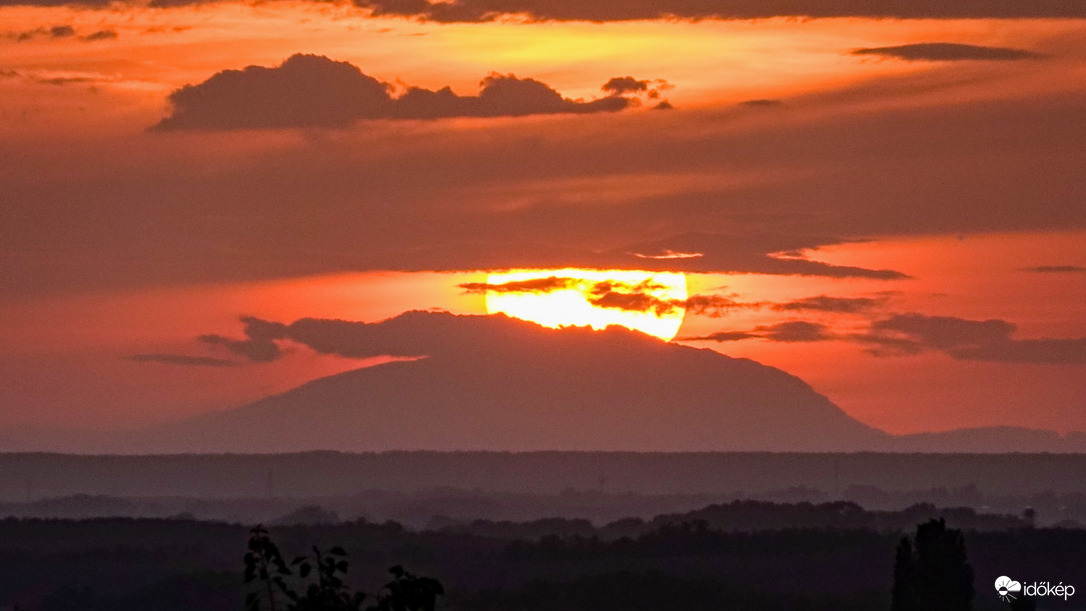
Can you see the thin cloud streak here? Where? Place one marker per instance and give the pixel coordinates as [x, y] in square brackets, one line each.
[181, 359]
[909, 334]
[948, 51]
[1055, 269]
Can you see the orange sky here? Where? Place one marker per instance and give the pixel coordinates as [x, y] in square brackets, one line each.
[931, 185]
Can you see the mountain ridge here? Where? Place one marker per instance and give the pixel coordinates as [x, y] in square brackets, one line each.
[493, 383]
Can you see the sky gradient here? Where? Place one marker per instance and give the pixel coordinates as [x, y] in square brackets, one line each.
[887, 202]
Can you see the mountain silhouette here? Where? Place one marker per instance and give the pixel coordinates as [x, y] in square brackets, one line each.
[499, 383]
[496, 383]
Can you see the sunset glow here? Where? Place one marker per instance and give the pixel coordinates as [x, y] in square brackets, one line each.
[660, 311]
[875, 197]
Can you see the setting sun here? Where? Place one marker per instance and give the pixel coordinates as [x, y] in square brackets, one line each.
[650, 302]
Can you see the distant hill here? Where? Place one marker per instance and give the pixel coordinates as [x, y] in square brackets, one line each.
[990, 439]
[512, 385]
[501, 384]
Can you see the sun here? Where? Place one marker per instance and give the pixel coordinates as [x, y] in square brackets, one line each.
[649, 302]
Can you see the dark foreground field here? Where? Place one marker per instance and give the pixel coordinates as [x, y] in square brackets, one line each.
[740, 555]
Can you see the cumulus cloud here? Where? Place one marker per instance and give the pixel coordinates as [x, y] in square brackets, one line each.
[181, 359]
[315, 91]
[625, 84]
[628, 85]
[948, 51]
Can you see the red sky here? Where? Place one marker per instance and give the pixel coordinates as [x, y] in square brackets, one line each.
[893, 204]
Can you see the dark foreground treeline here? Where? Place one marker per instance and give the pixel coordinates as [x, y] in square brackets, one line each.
[736, 556]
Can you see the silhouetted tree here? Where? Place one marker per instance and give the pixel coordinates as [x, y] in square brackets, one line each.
[265, 566]
[933, 572]
[904, 590]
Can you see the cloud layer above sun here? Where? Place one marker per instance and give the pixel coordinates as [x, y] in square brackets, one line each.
[460, 11]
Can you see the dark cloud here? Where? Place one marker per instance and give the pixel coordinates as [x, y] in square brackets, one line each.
[722, 336]
[823, 303]
[625, 84]
[259, 344]
[59, 31]
[945, 332]
[181, 359]
[971, 340]
[56, 31]
[794, 331]
[536, 285]
[566, 10]
[637, 297]
[752, 252]
[576, 10]
[628, 85]
[441, 198]
[66, 80]
[715, 306]
[411, 334]
[791, 331]
[762, 103]
[907, 334]
[1055, 269]
[99, 35]
[634, 302]
[670, 254]
[314, 91]
[948, 51]
[1040, 351]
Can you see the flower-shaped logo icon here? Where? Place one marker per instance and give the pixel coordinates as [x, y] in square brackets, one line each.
[1005, 586]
